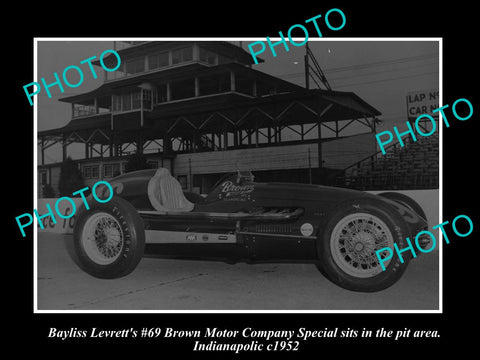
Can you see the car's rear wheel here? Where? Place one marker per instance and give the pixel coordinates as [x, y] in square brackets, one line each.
[349, 245]
[109, 239]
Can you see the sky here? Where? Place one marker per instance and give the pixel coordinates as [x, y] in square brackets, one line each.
[380, 72]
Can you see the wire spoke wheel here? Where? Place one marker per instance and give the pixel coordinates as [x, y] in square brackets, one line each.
[102, 238]
[109, 239]
[354, 242]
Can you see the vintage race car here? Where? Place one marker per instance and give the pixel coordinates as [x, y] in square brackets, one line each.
[337, 229]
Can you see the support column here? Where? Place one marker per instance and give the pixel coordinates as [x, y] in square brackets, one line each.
[169, 92]
[167, 144]
[309, 167]
[64, 149]
[141, 107]
[110, 148]
[235, 138]
[195, 140]
[190, 176]
[225, 140]
[319, 143]
[139, 144]
[197, 87]
[307, 73]
[320, 114]
[42, 151]
[232, 81]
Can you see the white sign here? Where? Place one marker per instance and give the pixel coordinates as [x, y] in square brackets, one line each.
[306, 229]
[422, 102]
[61, 225]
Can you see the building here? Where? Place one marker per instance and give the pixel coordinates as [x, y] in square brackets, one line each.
[200, 109]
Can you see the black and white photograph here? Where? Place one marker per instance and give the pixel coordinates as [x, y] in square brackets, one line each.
[230, 181]
[301, 181]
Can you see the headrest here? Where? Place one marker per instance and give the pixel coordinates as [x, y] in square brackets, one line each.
[162, 172]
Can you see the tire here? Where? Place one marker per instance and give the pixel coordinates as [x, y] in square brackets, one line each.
[347, 247]
[109, 239]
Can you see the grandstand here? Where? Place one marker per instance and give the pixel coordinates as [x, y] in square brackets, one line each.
[413, 166]
[199, 109]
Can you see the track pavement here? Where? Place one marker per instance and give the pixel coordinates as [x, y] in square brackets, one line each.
[170, 284]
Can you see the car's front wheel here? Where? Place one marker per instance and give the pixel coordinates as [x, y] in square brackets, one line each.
[348, 247]
[109, 239]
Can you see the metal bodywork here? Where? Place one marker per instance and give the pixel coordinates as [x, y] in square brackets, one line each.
[243, 219]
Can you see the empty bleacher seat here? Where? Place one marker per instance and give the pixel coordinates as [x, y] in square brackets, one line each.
[413, 166]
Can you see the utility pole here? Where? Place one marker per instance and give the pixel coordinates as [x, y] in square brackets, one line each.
[307, 72]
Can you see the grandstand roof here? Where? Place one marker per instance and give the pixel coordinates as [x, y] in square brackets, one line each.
[303, 107]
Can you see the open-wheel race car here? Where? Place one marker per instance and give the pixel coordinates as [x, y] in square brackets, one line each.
[339, 230]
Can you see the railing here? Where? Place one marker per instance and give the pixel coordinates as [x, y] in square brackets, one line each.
[83, 110]
[88, 110]
[374, 156]
[396, 169]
